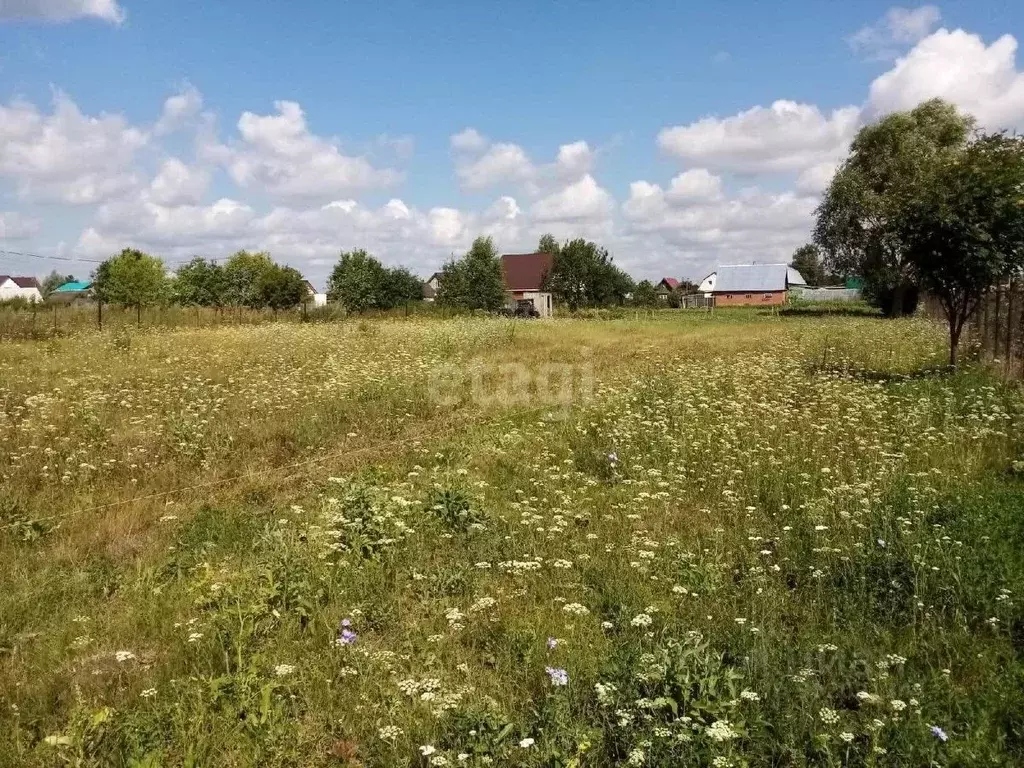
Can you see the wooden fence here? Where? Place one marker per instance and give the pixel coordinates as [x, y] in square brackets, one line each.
[996, 332]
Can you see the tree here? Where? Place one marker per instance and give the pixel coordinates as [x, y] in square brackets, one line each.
[53, 281]
[400, 287]
[475, 280]
[547, 244]
[807, 262]
[645, 294]
[860, 218]
[281, 287]
[131, 279]
[583, 274]
[356, 282]
[200, 283]
[966, 233]
[243, 275]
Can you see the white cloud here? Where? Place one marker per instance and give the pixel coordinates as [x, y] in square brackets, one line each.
[67, 156]
[279, 155]
[574, 160]
[16, 226]
[787, 136]
[179, 109]
[61, 10]
[696, 184]
[959, 67]
[468, 140]
[899, 28]
[178, 184]
[583, 199]
[816, 179]
[500, 163]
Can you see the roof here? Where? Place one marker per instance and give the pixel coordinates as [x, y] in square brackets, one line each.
[734, 278]
[428, 290]
[671, 282]
[21, 282]
[525, 271]
[75, 286]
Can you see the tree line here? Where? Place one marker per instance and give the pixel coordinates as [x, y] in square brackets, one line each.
[924, 202]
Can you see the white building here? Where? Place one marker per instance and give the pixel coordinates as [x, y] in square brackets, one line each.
[20, 288]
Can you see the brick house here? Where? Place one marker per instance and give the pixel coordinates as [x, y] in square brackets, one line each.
[524, 275]
[745, 285]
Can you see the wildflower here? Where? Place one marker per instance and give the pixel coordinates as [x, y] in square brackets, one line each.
[346, 637]
[897, 705]
[749, 695]
[828, 716]
[938, 733]
[636, 757]
[427, 750]
[281, 670]
[559, 677]
[641, 620]
[846, 736]
[526, 743]
[605, 693]
[552, 643]
[123, 656]
[720, 730]
[148, 693]
[576, 609]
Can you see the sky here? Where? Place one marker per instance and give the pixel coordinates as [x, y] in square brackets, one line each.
[677, 135]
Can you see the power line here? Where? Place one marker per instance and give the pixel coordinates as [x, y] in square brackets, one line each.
[4, 252]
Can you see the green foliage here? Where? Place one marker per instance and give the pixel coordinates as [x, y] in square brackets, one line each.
[891, 164]
[965, 233]
[453, 509]
[645, 294]
[359, 282]
[131, 279]
[583, 275]
[53, 281]
[548, 244]
[475, 280]
[281, 288]
[243, 275]
[807, 261]
[201, 283]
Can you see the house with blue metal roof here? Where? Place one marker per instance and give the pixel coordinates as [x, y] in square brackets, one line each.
[744, 285]
[74, 292]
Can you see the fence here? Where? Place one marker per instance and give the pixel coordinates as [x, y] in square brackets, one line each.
[996, 331]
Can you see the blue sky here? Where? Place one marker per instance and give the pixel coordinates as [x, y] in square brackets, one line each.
[679, 135]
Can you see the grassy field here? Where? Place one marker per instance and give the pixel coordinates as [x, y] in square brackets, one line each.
[685, 540]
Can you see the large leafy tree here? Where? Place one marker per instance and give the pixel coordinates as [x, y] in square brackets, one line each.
[583, 274]
[53, 281]
[645, 294]
[281, 287]
[860, 219]
[356, 282]
[548, 244]
[360, 282]
[965, 233]
[201, 283]
[243, 275]
[475, 280]
[131, 279]
[807, 261]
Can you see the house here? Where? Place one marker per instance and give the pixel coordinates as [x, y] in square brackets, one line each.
[26, 288]
[76, 293]
[666, 287]
[524, 275]
[430, 287]
[317, 299]
[739, 285]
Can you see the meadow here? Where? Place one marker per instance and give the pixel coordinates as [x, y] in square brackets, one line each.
[676, 540]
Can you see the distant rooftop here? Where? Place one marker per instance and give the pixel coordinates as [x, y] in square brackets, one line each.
[75, 286]
[736, 278]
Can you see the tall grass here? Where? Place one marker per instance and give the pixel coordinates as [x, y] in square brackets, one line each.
[721, 552]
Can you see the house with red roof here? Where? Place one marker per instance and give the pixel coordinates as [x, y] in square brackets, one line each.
[26, 288]
[524, 275]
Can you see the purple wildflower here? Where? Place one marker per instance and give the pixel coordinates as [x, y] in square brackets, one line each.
[345, 635]
[938, 733]
[559, 677]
